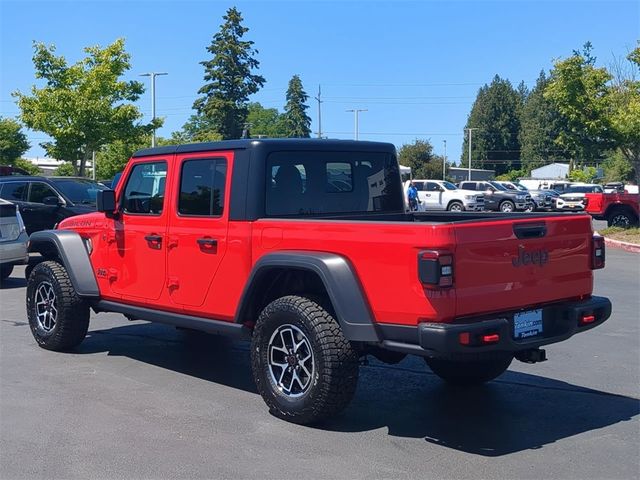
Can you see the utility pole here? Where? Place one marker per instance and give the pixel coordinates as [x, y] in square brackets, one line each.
[153, 76]
[356, 111]
[470, 130]
[444, 160]
[319, 112]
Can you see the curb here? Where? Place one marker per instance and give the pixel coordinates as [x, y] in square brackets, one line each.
[629, 247]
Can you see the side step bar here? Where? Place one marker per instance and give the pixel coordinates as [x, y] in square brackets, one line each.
[218, 327]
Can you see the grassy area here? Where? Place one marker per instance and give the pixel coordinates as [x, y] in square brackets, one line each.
[630, 235]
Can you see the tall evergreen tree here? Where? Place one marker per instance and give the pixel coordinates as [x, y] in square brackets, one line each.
[296, 120]
[494, 114]
[229, 78]
[541, 124]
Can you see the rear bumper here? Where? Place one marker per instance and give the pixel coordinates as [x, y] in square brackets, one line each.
[14, 252]
[560, 322]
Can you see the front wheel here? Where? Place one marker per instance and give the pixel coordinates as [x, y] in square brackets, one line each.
[58, 317]
[466, 373]
[455, 207]
[507, 206]
[304, 368]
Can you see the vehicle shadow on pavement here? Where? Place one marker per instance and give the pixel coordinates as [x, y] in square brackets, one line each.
[12, 282]
[209, 357]
[513, 413]
[516, 412]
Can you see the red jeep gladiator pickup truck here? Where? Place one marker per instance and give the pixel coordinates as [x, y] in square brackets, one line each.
[303, 247]
[618, 209]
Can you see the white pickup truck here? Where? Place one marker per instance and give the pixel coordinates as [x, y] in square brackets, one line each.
[443, 195]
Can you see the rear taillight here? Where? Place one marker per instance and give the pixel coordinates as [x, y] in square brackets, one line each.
[597, 254]
[435, 268]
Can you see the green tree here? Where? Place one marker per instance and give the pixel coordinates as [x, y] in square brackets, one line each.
[495, 144]
[82, 106]
[625, 114]
[617, 168]
[13, 143]
[420, 157]
[65, 170]
[579, 91]
[266, 122]
[26, 165]
[584, 175]
[296, 120]
[540, 127]
[197, 129]
[229, 78]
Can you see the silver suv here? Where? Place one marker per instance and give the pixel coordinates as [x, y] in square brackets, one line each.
[13, 239]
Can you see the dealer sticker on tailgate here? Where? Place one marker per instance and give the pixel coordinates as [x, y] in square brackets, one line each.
[527, 324]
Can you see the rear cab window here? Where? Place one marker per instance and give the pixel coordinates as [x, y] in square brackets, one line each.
[323, 183]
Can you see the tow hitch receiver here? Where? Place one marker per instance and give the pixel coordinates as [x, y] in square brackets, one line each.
[533, 355]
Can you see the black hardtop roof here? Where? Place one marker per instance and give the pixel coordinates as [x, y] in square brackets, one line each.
[271, 144]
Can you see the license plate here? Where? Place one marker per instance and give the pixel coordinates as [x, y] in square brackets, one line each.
[527, 324]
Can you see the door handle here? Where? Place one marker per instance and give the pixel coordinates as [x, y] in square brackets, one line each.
[155, 241]
[207, 242]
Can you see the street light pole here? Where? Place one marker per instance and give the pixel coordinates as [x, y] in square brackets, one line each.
[470, 130]
[153, 76]
[356, 111]
[444, 160]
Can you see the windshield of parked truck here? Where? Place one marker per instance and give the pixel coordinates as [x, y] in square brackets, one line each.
[498, 186]
[79, 190]
[449, 186]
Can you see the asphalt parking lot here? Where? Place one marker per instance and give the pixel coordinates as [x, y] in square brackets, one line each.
[137, 400]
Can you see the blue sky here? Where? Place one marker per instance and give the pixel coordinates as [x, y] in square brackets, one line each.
[415, 66]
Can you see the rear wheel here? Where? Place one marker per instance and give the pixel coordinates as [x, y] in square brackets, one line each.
[303, 366]
[469, 372]
[621, 218]
[507, 206]
[455, 207]
[5, 271]
[58, 318]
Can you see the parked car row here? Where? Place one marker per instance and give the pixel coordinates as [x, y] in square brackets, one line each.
[500, 196]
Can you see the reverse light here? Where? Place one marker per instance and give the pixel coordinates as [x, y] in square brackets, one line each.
[598, 252]
[435, 268]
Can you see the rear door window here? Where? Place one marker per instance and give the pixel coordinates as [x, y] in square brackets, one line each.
[202, 187]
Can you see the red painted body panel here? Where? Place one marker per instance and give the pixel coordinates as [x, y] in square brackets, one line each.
[181, 277]
[598, 203]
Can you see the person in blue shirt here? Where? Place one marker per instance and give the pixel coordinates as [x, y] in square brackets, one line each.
[412, 196]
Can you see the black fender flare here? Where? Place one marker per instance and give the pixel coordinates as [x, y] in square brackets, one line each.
[339, 279]
[69, 248]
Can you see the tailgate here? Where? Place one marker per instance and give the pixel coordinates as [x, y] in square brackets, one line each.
[512, 264]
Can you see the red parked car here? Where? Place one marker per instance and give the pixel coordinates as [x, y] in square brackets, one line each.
[304, 248]
[618, 209]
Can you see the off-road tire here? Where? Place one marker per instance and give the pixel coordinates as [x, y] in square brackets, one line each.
[507, 206]
[335, 361]
[621, 218]
[455, 207]
[5, 271]
[472, 372]
[71, 312]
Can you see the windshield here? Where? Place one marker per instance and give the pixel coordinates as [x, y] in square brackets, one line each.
[584, 189]
[449, 186]
[521, 187]
[79, 190]
[498, 186]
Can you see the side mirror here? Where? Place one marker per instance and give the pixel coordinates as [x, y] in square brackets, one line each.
[106, 201]
[52, 201]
